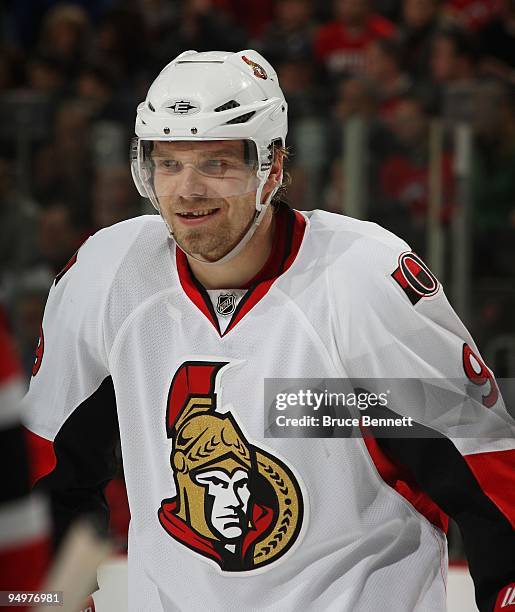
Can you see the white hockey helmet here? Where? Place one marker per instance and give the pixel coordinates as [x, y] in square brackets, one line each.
[215, 95]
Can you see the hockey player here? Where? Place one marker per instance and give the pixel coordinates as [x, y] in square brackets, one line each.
[164, 328]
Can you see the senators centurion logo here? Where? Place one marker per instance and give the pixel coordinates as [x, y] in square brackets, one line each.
[235, 504]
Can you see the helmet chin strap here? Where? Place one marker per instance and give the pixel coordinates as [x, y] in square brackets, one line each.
[261, 209]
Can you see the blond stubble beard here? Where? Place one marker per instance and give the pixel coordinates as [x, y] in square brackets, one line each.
[213, 244]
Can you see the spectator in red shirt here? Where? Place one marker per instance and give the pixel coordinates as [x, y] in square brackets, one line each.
[341, 44]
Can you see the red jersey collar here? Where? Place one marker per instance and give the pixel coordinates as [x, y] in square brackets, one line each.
[288, 235]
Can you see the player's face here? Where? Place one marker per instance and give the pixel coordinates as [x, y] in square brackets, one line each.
[206, 193]
[229, 497]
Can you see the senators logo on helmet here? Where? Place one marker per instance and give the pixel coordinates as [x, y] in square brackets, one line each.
[259, 71]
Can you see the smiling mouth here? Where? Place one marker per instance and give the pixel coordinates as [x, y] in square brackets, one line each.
[194, 214]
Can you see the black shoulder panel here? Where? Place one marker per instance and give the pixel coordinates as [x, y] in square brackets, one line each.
[85, 449]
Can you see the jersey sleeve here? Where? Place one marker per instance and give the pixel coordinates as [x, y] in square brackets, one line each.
[70, 408]
[70, 360]
[404, 335]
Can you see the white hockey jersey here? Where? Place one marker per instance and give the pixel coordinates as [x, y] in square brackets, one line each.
[223, 518]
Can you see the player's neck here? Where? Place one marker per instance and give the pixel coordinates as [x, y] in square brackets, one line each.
[242, 267]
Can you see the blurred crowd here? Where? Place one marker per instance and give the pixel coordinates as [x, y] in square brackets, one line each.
[71, 75]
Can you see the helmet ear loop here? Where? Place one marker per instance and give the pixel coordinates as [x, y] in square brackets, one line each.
[146, 177]
[261, 206]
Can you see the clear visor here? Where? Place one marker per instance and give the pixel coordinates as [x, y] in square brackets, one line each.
[201, 169]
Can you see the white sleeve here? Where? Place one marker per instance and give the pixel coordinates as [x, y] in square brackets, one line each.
[70, 360]
[401, 326]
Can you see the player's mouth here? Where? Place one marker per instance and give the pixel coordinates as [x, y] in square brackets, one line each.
[196, 217]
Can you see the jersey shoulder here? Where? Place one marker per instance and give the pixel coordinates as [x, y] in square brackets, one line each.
[110, 274]
[111, 243]
[98, 260]
[368, 261]
[349, 241]
[118, 250]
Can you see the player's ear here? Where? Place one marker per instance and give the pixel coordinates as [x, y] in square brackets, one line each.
[276, 173]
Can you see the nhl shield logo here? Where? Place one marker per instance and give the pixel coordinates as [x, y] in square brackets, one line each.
[226, 304]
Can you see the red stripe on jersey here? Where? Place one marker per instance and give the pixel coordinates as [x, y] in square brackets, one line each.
[41, 454]
[274, 263]
[119, 513]
[299, 229]
[190, 288]
[23, 567]
[495, 473]
[295, 225]
[72, 261]
[259, 293]
[399, 479]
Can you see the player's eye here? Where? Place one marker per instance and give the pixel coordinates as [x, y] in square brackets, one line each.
[171, 166]
[214, 167]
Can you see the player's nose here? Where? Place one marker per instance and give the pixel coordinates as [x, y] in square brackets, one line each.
[191, 183]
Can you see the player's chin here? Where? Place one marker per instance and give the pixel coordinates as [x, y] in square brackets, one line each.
[205, 246]
[211, 255]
